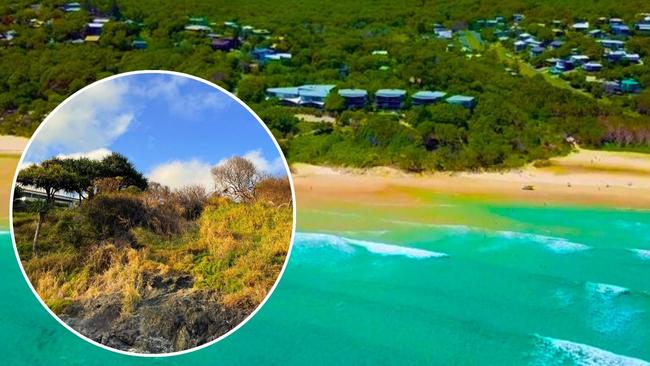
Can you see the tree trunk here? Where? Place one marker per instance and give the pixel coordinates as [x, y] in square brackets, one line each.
[38, 230]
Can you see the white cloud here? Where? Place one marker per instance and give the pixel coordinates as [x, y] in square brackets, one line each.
[180, 173]
[177, 174]
[275, 166]
[185, 104]
[89, 121]
[97, 154]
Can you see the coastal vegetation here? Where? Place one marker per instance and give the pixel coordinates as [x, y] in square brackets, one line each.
[521, 114]
[128, 255]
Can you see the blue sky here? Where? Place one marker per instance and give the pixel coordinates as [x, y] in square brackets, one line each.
[173, 128]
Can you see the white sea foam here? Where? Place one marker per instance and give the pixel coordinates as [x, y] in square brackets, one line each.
[551, 351]
[605, 290]
[553, 243]
[347, 244]
[641, 253]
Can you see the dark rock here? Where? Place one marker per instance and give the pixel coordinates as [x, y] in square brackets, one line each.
[171, 316]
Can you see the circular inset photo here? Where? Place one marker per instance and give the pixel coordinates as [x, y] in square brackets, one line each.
[152, 213]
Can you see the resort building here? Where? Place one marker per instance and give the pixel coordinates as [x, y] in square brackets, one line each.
[354, 98]
[93, 32]
[642, 28]
[556, 44]
[71, 7]
[139, 44]
[31, 194]
[597, 34]
[630, 86]
[580, 26]
[579, 59]
[462, 100]
[592, 67]
[225, 44]
[306, 95]
[620, 30]
[612, 44]
[427, 97]
[389, 98]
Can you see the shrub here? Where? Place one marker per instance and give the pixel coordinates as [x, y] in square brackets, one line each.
[276, 191]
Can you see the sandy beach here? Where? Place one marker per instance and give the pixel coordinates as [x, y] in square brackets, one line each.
[12, 144]
[585, 177]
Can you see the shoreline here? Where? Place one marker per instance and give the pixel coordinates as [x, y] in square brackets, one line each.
[583, 178]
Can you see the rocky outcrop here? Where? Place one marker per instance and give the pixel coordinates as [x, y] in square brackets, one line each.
[171, 316]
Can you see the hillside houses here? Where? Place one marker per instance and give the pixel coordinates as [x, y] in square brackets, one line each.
[314, 95]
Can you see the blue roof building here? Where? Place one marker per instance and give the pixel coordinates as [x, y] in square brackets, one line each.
[580, 26]
[536, 51]
[389, 98]
[354, 98]
[427, 97]
[462, 100]
[612, 44]
[517, 17]
[616, 56]
[632, 58]
[556, 44]
[71, 7]
[314, 95]
[520, 46]
[305, 95]
[596, 33]
[592, 67]
[642, 28]
[139, 44]
[620, 30]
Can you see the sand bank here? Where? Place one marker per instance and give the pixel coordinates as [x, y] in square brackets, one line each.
[586, 177]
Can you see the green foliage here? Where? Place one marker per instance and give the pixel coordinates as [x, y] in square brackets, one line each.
[333, 43]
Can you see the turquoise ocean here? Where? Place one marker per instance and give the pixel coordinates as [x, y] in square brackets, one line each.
[550, 286]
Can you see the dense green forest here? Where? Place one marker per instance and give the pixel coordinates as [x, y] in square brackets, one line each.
[520, 116]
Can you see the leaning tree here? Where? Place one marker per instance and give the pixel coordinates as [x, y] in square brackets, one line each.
[51, 176]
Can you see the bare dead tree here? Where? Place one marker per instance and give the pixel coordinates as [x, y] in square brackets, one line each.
[237, 178]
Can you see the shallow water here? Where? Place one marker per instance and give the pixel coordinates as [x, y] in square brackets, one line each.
[546, 286]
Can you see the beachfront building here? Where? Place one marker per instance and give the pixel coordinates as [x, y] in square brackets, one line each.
[312, 95]
[427, 97]
[139, 44]
[354, 98]
[597, 34]
[612, 44]
[630, 86]
[389, 98]
[520, 46]
[198, 25]
[642, 28]
[462, 100]
[93, 32]
[225, 44]
[536, 51]
[563, 66]
[31, 194]
[620, 30]
[580, 26]
[592, 67]
[579, 59]
[612, 87]
[264, 55]
[71, 7]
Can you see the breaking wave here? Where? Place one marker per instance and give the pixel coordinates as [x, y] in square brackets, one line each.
[641, 253]
[551, 351]
[348, 245]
